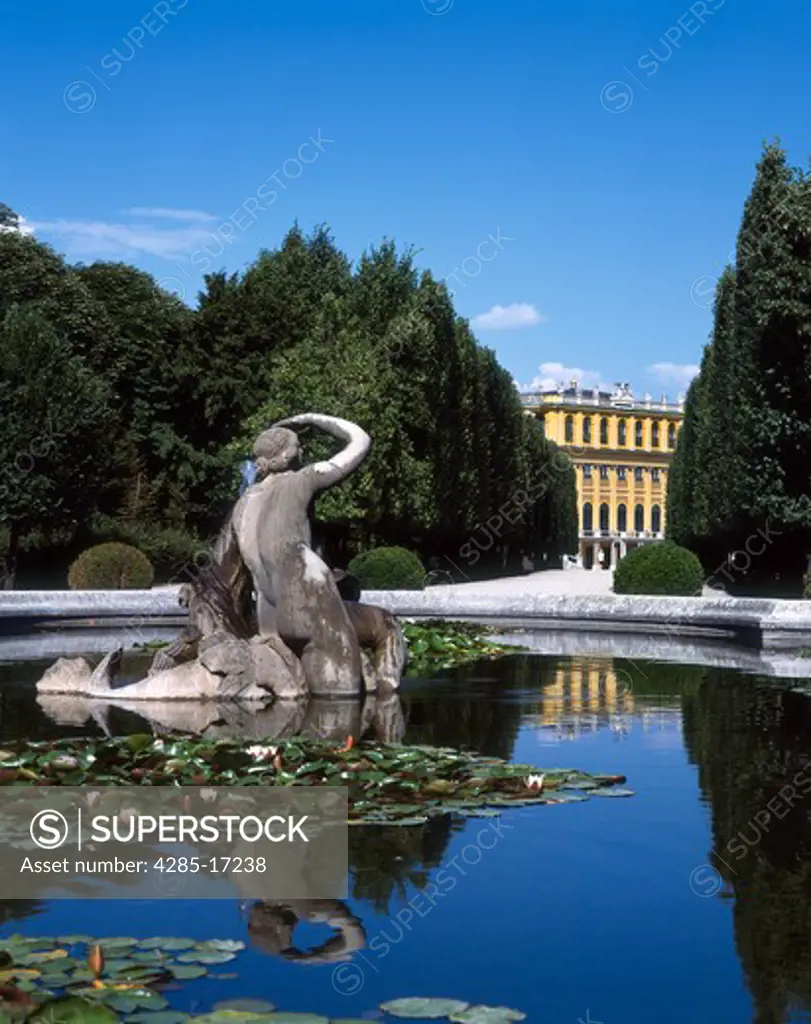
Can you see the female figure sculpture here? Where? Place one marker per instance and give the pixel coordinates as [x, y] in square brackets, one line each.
[296, 594]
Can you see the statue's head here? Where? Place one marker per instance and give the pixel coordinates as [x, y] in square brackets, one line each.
[277, 450]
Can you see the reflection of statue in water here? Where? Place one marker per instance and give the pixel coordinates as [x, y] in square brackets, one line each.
[271, 926]
[266, 619]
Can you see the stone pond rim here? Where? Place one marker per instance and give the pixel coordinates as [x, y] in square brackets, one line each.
[759, 622]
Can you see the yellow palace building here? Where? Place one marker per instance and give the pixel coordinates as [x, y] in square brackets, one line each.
[622, 448]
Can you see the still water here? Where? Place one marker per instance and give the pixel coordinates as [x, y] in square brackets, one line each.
[689, 902]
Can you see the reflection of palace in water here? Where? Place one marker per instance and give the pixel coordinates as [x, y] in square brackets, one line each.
[587, 694]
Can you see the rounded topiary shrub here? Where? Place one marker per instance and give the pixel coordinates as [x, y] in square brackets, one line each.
[111, 566]
[388, 569]
[662, 568]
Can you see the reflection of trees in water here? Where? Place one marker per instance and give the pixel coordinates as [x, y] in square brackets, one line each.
[482, 714]
[16, 910]
[386, 860]
[749, 740]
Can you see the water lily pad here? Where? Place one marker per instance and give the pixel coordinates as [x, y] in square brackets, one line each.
[122, 1002]
[115, 966]
[246, 1017]
[82, 974]
[159, 1017]
[19, 972]
[117, 942]
[29, 959]
[73, 1010]
[294, 1018]
[139, 741]
[423, 1008]
[168, 944]
[145, 999]
[246, 1005]
[185, 972]
[487, 1015]
[134, 972]
[222, 945]
[197, 957]
[613, 792]
[56, 980]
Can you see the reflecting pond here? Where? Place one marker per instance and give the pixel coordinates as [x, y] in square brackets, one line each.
[690, 901]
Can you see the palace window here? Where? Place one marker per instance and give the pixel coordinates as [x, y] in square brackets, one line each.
[638, 474]
[656, 519]
[620, 472]
[588, 518]
[622, 433]
[587, 472]
[603, 472]
[639, 518]
[587, 430]
[568, 429]
[654, 439]
[604, 518]
[671, 435]
[604, 431]
[639, 433]
[654, 475]
[622, 518]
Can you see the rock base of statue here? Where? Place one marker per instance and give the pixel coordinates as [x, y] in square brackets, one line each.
[210, 662]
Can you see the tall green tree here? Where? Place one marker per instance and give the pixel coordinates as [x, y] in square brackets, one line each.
[748, 424]
[152, 373]
[54, 444]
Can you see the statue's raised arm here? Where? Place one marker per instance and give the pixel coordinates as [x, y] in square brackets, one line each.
[332, 471]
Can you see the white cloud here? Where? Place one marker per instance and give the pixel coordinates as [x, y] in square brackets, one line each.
[504, 318]
[167, 213]
[100, 238]
[550, 376]
[21, 228]
[673, 373]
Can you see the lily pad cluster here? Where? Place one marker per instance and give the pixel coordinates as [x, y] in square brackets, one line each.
[436, 645]
[75, 979]
[417, 1008]
[403, 785]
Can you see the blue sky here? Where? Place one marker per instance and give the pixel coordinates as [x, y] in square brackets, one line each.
[608, 147]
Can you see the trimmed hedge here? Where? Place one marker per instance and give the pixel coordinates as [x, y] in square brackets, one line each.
[388, 569]
[661, 568]
[111, 566]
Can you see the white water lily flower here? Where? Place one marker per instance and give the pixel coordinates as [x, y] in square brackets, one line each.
[534, 782]
[260, 753]
[65, 761]
[158, 744]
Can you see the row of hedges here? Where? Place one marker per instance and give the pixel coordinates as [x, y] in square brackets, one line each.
[651, 569]
[116, 566]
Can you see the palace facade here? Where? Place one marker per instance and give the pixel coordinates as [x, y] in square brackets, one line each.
[622, 448]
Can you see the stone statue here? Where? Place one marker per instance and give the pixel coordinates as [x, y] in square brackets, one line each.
[266, 618]
[296, 595]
